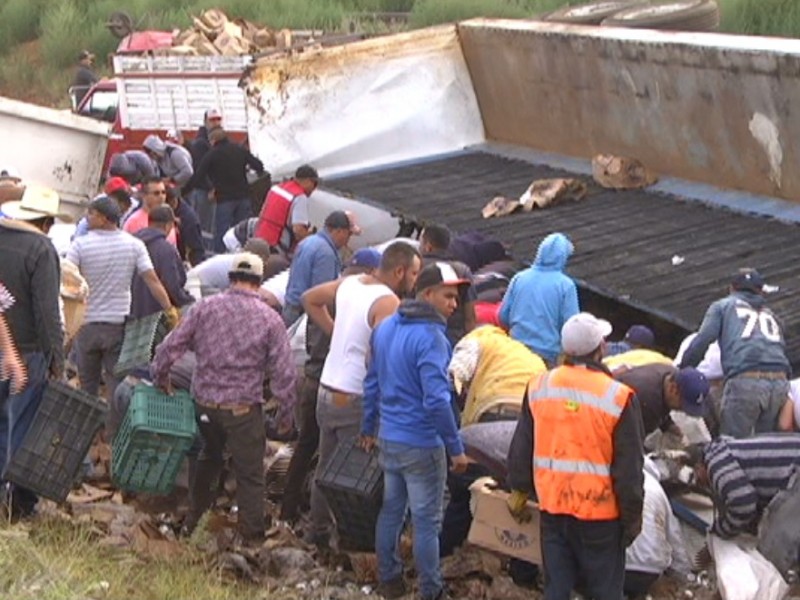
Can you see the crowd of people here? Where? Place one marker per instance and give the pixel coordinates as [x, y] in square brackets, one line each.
[438, 354]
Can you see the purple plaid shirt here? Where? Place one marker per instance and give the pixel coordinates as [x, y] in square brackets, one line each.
[238, 340]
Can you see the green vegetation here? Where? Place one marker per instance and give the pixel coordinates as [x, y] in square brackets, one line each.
[40, 39]
[58, 560]
[761, 17]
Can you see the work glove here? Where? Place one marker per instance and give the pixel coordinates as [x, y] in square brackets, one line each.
[173, 316]
[517, 504]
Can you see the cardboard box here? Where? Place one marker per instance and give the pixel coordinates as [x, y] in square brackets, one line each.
[493, 527]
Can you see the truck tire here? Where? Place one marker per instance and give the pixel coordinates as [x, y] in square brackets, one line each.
[591, 13]
[120, 24]
[684, 15]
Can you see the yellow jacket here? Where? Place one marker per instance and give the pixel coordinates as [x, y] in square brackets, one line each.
[494, 368]
[635, 358]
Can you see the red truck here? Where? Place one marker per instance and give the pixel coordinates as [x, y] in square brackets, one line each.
[152, 94]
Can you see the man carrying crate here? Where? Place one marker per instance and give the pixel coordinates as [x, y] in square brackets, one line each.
[237, 339]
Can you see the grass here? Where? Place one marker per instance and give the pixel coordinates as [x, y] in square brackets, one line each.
[58, 560]
[762, 17]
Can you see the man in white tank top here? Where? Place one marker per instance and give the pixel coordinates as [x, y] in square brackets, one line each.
[362, 301]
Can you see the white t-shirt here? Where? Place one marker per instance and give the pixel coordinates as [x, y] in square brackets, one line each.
[276, 285]
[660, 543]
[710, 366]
[794, 393]
[297, 216]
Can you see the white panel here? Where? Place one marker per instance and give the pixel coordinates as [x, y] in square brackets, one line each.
[53, 147]
[362, 104]
[159, 102]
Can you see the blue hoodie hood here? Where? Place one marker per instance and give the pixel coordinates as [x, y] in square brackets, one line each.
[554, 252]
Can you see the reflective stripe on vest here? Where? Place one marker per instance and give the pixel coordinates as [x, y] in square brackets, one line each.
[571, 466]
[575, 411]
[605, 402]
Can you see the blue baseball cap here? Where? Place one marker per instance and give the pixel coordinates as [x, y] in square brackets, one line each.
[748, 279]
[693, 387]
[369, 258]
[641, 335]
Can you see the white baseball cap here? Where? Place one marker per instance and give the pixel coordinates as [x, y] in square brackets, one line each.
[583, 333]
[247, 263]
[9, 172]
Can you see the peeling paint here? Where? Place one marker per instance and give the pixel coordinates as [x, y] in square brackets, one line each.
[767, 134]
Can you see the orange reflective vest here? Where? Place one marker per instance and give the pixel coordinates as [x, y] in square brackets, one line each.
[575, 411]
[274, 217]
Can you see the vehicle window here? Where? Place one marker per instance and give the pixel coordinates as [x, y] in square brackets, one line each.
[102, 105]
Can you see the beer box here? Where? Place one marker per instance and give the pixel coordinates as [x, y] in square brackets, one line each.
[493, 527]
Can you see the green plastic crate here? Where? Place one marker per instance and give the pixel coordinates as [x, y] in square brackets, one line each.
[152, 440]
[140, 341]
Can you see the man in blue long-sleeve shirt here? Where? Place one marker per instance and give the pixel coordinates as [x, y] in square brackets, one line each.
[407, 406]
[753, 357]
[317, 261]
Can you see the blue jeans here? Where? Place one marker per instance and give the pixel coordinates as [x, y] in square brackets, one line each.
[751, 405]
[227, 214]
[412, 478]
[16, 415]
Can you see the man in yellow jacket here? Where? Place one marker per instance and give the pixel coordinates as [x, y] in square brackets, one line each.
[491, 371]
[635, 350]
[578, 449]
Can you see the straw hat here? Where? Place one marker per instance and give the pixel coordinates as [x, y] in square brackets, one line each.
[37, 202]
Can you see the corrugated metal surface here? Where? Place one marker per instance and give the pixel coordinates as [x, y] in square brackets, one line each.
[625, 241]
[175, 91]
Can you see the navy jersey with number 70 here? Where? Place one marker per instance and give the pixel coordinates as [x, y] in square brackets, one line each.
[749, 335]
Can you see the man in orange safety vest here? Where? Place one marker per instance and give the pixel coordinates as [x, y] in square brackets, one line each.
[578, 450]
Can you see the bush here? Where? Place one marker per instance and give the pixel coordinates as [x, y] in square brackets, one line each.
[63, 33]
[757, 17]
[433, 12]
[19, 22]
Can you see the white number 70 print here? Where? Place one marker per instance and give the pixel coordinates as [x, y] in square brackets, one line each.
[767, 324]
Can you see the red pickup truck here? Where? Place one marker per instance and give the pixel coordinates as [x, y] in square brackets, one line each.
[153, 94]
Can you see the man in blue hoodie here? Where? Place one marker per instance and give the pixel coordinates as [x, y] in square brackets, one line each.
[407, 404]
[753, 357]
[541, 298]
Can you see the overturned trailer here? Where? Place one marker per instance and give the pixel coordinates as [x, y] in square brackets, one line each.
[431, 124]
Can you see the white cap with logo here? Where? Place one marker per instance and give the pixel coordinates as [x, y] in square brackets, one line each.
[583, 333]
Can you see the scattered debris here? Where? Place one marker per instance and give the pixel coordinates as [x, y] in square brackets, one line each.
[544, 192]
[540, 194]
[214, 33]
[678, 260]
[500, 206]
[744, 574]
[621, 173]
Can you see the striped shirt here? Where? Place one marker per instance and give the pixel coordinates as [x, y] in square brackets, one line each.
[108, 260]
[746, 474]
[6, 299]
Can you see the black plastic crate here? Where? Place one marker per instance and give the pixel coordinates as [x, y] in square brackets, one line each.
[352, 483]
[59, 438]
[142, 336]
